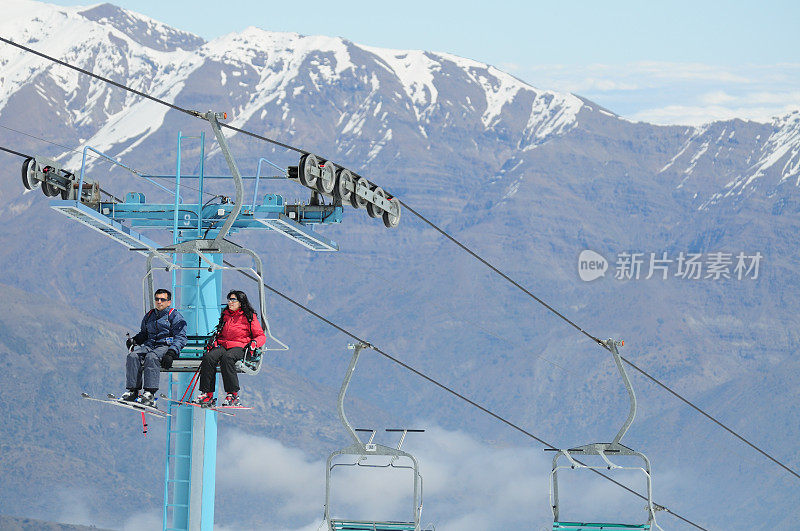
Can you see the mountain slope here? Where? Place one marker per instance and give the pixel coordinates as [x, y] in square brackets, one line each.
[526, 177]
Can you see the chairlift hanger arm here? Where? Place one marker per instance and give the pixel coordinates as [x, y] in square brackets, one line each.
[213, 119]
[611, 345]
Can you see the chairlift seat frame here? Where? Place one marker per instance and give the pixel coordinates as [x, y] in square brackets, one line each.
[362, 451]
[589, 526]
[365, 525]
[604, 450]
[192, 354]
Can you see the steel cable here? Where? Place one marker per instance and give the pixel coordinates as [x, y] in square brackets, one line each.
[424, 219]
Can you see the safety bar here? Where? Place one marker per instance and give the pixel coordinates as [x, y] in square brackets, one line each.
[117, 163]
[258, 177]
[194, 247]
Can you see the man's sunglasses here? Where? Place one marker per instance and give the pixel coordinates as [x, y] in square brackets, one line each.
[233, 299]
[161, 299]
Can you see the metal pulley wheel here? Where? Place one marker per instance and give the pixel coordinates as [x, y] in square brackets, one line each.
[327, 180]
[28, 170]
[307, 178]
[356, 200]
[374, 210]
[343, 179]
[390, 220]
[50, 190]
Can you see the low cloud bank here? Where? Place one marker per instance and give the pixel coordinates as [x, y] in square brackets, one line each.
[468, 485]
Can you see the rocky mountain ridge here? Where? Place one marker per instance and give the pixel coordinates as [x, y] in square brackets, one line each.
[526, 177]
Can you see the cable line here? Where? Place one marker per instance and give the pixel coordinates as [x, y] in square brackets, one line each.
[23, 155]
[506, 277]
[571, 323]
[444, 387]
[147, 96]
[90, 154]
[424, 219]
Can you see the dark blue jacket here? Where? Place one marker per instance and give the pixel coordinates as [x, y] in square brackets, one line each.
[166, 327]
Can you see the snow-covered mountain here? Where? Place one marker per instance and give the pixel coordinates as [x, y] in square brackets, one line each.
[527, 177]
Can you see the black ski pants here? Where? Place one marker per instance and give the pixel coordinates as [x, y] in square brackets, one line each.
[226, 359]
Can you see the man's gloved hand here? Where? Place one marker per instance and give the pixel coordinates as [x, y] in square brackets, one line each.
[166, 360]
[130, 343]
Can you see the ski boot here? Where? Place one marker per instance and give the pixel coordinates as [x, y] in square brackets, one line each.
[130, 395]
[147, 399]
[205, 400]
[232, 400]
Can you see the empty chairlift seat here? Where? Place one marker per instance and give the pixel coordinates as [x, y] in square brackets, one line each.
[362, 451]
[586, 526]
[357, 525]
[605, 451]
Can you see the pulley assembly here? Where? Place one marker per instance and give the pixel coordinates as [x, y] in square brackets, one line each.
[343, 186]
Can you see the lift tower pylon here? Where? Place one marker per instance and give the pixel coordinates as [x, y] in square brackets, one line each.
[195, 260]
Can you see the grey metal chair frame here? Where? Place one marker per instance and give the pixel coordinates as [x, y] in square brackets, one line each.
[604, 450]
[364, 450]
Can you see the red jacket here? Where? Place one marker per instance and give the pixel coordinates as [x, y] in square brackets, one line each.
[238, 332]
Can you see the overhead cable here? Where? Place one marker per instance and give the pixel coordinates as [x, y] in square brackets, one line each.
[601, 343]
[424, 219]
[447, 388]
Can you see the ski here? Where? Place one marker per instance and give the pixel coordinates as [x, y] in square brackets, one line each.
[220, 409]
[113, 400]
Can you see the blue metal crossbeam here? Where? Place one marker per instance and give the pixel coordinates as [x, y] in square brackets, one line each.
[163, 215]
[293, 221]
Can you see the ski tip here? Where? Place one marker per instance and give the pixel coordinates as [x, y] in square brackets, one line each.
[85, 395]
[111, 396]
[163, 395]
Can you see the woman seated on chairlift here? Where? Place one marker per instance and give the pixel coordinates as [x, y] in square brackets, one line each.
[238, 330]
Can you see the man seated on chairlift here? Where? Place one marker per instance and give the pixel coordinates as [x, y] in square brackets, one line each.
[158, 343]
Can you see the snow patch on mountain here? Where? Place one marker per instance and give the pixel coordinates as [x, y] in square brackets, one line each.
[552, 113]
[94, 45]
[415, 69]
[144, 30]
[778, 159]
[784, 144]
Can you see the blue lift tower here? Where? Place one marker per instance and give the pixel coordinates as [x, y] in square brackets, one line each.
[195, 261]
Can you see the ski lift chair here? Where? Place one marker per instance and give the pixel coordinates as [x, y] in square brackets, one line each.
[362, 451]
[192, 353]
[604, 451]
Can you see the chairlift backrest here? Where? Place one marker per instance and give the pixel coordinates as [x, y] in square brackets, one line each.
[192, 353]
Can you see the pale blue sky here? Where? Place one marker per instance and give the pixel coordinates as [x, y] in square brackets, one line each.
[668, 61]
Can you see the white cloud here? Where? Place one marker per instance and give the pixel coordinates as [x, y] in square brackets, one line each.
[260, 464]
[671, 93]
[74, 509]
[698, 115]
[144, 520]
[717, 97]
[468, 485]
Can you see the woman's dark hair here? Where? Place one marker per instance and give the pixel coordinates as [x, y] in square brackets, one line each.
[247, 308]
